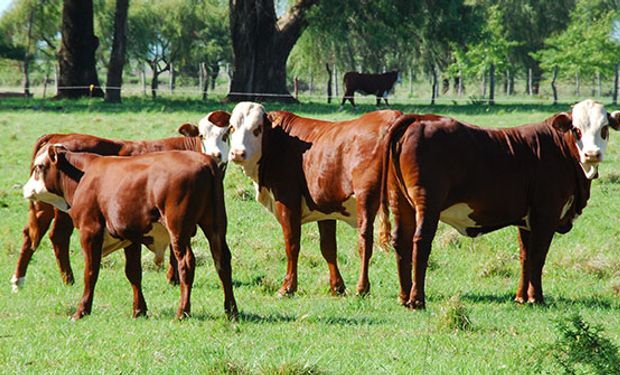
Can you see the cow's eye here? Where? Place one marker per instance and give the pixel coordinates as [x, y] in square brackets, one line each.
[257, 131]
[577, 133]
[605, 132]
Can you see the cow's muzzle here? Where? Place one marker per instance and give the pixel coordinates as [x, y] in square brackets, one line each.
[237, 156]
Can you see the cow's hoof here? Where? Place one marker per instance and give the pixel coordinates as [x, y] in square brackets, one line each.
[285, 292]
[79, 315]
[140, 313]
[17, 283]
[415, 305]
[232, 314]
[534, 301]
[68, 279]
[338, 290]
[182, 315]
[520, 300]
[362, 291]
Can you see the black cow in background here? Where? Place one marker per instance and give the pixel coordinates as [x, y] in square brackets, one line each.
[379, 85]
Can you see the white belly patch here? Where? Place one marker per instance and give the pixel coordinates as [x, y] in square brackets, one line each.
[265, 197]
[160, 242]
[457, 216]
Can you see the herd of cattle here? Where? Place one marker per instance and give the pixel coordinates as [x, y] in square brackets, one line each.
[422, 168]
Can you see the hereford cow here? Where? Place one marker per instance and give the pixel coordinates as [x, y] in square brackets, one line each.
[379, 85]
[41, 214]
[154, 199]
[308, 170]
[535, 177]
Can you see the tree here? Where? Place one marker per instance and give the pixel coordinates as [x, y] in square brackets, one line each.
[586, 47]
[117, 56]
[261, 45]
[76, 58]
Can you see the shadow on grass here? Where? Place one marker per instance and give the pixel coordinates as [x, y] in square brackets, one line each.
[141, 104]
[551, 301]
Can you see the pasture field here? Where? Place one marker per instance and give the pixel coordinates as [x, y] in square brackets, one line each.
[312, 332]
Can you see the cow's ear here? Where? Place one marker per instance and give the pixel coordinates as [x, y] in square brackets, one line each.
[189, 130]
[267, 122]
[54, 152]
[614, 120]
[562, 121]
[219, 118]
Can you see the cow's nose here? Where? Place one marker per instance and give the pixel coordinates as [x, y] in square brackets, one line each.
[593, 156]
[237, 155]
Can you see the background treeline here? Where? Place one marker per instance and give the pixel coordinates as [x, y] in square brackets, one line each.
[471, 48]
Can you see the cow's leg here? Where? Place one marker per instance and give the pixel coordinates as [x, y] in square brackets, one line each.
[378, 100]
[133, 271]
[402, 240]
[60, 235]
[221, 258]
[290, 220]
[91, 240]
[173, 269]
[366, 210]
[40, 216]
[386, 101]
[524, 281]
[427, 218]
[186, 266]
[327, 233]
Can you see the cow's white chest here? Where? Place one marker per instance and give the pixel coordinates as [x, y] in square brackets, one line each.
[265, 197]
[567, 206]
[458, 217]
[158, 245]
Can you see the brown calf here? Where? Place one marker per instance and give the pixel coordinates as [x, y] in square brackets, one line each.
[121, 202]
[536, 177]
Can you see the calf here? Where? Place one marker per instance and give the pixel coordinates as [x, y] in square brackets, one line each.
[122, 202]
[41, 214]
[536, 177]
[379, 85]
[307, 170]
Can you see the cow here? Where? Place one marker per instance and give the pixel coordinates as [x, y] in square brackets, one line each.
[153, 199]
[307, 170]
[41, 214]
[379, 85]
[213, 129]
[535, 177]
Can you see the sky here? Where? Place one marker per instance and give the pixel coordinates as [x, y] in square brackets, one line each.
[4, 4]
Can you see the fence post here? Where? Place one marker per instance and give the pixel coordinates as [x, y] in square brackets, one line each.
[335, 80]
[530, 89]
[205, 86]
[492, 84]
[577, 85]
[555, 90]
[459, 89]
[329, 83]
[434, 85]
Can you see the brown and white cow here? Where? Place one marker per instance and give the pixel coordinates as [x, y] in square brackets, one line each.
[123, 202]
[307, 170]
[536, 177]
[41, 214]
[379, 85]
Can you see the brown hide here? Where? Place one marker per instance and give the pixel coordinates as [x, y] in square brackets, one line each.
[122, 198]
[323, 164]
[41, 214]
[528, 176]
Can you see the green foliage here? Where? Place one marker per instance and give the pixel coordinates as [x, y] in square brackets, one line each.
[586, 46]
[581, 347]
[454, 316]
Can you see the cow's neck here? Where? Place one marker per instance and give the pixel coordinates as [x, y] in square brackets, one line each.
[72, 169]
[173, 143]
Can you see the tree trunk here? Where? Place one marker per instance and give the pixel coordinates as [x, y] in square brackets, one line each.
[459, 86]
[410, 82]
[336, 80]
[434, 85]
[577, 85]
[261, 44]
[329, 84]
[599, 88]
[615, 90]
[555, 90]
[172, 78]
[205, 84]
[492, 84]
[143, 79]
[117, 55]
[27, 55]
[214, 68]
[76, 57]
[154, 83]
[483, 86]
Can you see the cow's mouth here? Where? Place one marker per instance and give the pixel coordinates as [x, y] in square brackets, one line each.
[590, 169]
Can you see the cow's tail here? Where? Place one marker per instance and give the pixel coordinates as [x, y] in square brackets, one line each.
[391, 150]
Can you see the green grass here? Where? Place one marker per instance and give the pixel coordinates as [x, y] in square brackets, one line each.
[311, 332]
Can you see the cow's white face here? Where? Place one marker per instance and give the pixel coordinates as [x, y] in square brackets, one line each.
[42, 173]
[246, 127]
[214, 132]
[591, 133]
